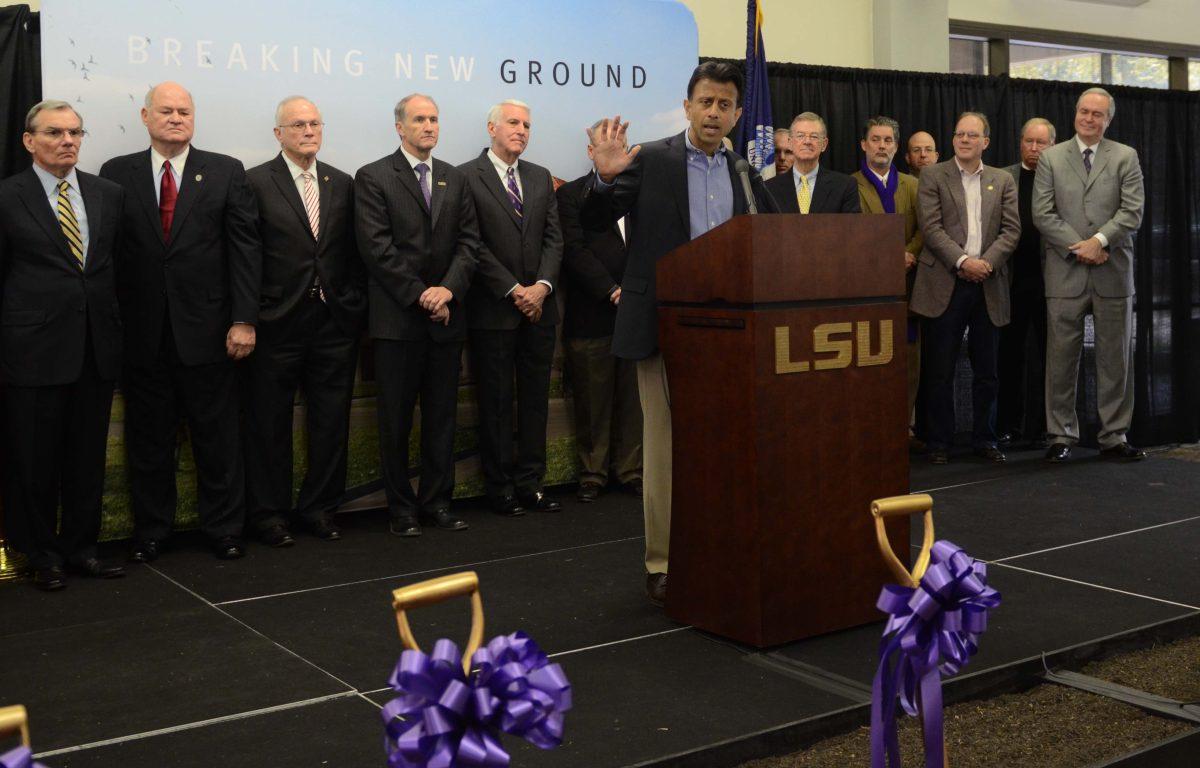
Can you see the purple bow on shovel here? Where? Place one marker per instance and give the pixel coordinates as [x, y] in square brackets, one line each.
[445, 718]
[932, 631]
[21, 757]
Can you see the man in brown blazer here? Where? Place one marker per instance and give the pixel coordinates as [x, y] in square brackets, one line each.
[883, 189]
[968, 213]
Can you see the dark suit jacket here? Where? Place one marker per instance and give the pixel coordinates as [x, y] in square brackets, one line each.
[408, 248]
[514, 249]
[593, 265]
[207, 277]
[291, 255]
[833, 193]
[653, 193]
[47, 303]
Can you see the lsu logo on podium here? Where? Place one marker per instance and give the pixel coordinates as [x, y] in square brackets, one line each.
[837, 345]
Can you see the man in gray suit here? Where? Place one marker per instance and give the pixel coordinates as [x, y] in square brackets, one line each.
[968, 214]
[1087, 203]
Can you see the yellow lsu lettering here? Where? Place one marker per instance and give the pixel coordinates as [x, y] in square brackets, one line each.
[836, 344]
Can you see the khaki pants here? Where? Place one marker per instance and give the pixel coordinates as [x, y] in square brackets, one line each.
[656, 459]
[608, 416]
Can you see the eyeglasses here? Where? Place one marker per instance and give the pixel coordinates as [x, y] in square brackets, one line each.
[803, 136]
[300, 125]
[57, 133]
[971, 135]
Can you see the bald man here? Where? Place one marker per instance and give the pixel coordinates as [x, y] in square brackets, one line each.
[921, 152]
[188, 274]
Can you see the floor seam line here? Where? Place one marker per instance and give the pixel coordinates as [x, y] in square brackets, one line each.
[1100, 586]
[1098, 538]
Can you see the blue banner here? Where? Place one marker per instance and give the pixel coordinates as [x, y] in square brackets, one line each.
[758, 134]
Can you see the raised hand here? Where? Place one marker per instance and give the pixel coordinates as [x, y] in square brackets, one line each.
[609, 153]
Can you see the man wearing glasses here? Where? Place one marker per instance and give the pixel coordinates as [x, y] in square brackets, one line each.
[309, 321]
[60, 347]
[809, 188]
[968, 213]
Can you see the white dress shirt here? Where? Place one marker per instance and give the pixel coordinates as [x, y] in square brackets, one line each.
[298, 176]
[974, 199]
[177, 164]
[50, 184]
[413, 160]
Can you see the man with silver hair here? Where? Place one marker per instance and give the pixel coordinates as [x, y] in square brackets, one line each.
[1016, 419]
[809, 188]
[415, 220]
[511, 312]
[1088, 199]
[60, 347]
[313, 304]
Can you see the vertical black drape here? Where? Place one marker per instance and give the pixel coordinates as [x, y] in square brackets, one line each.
[1164, 128]
[21, 73]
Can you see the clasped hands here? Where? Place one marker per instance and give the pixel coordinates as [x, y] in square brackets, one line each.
[436, 301]
[975, 269]
[1089, 251]
[239, 342]
[529, 298]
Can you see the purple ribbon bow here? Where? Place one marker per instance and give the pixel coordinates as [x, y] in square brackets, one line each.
[932, 631]
[444, 718]
[20, 757]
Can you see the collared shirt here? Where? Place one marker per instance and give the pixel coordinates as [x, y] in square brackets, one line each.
[811, 176]
[710, 190]
[1095, 152]
[884, 178]
[413, 161]
[298, 176]
[177, 164]
[50, 185]
[974, 199]
[502, 171]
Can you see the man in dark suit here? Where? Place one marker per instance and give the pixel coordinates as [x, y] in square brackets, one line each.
[809, 188]
[1028, 294]
[512, 324]
[669, 191]
[311, 316]
[608, 416]
[60, 347]
[968, 214]
[416, 227]
[188, 278]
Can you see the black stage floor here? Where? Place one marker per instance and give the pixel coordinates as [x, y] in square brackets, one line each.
[282, 659]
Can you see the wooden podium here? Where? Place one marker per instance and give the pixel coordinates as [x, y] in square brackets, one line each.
[784, 342]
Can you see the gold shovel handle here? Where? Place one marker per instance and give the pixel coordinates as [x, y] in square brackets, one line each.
[435, 591]
[14, 719]
[902, 506]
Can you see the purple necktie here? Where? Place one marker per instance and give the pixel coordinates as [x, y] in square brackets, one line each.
[514, 194]
[423, 181]
[1087, 159]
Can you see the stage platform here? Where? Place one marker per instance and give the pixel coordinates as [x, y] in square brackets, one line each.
[282, 658]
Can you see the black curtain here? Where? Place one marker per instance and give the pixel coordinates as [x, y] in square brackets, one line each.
[1163, 126]
[21, 72]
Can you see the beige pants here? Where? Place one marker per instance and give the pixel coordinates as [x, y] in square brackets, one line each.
[656, 459]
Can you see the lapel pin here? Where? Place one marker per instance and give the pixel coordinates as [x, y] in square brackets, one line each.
[441, 183]
[989, 187]
[199, 177]
[326, 178]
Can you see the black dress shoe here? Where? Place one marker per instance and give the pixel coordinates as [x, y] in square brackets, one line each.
[277, 536]
[228, 548]
[404, 525]
[939, 456]
[1058, 453]
[143, 551]
[634, 487]
[991, 453]
[538, 501]
[324, 530]
[507, 506]
[588, 492]
[1123, 452]
[1007, 438]
[49, 579]
[656, 588]
[93, 567]
[442, 518]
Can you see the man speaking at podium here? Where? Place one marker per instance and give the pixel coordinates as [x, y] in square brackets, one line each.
[672, 190]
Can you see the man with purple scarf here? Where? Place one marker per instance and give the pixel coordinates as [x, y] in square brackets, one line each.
[883, 189]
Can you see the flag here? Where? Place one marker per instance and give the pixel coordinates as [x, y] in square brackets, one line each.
[757, 140]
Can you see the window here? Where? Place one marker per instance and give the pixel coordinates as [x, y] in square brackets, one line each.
[968, 55]
[1194, 75]
[1039, 61]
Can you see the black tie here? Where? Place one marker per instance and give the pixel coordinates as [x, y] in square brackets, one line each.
[1087, 159]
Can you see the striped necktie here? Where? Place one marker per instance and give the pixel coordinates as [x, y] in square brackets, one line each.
[514, 193]
[804, 195]
[312, 205]
[68, 222]
[1087, 160]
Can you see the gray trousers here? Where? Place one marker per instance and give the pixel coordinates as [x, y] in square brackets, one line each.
[1113, 319]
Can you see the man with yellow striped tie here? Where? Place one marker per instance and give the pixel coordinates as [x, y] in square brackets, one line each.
[810, 187]
[60, 347]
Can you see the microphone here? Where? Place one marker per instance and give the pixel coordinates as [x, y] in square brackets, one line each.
[743, 171]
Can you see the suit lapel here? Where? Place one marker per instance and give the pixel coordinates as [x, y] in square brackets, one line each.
[324, 199]
[1102, 154]
[94, 210]
[34, 197]
[1075, 160]
[989, 197]
[871, 196]
[678, 184]
[190, 183]
[820, 192]
[438, 189]
[408, 179]
[143, 181]
[491, 180]
[287, 188]
[954, 182]
[531, 198]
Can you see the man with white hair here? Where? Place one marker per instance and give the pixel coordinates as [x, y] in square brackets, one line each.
[310, 319]
[511, 311]
[1088, 199]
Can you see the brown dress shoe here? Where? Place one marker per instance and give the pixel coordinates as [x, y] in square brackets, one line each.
[656, 588]
[588, 492]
